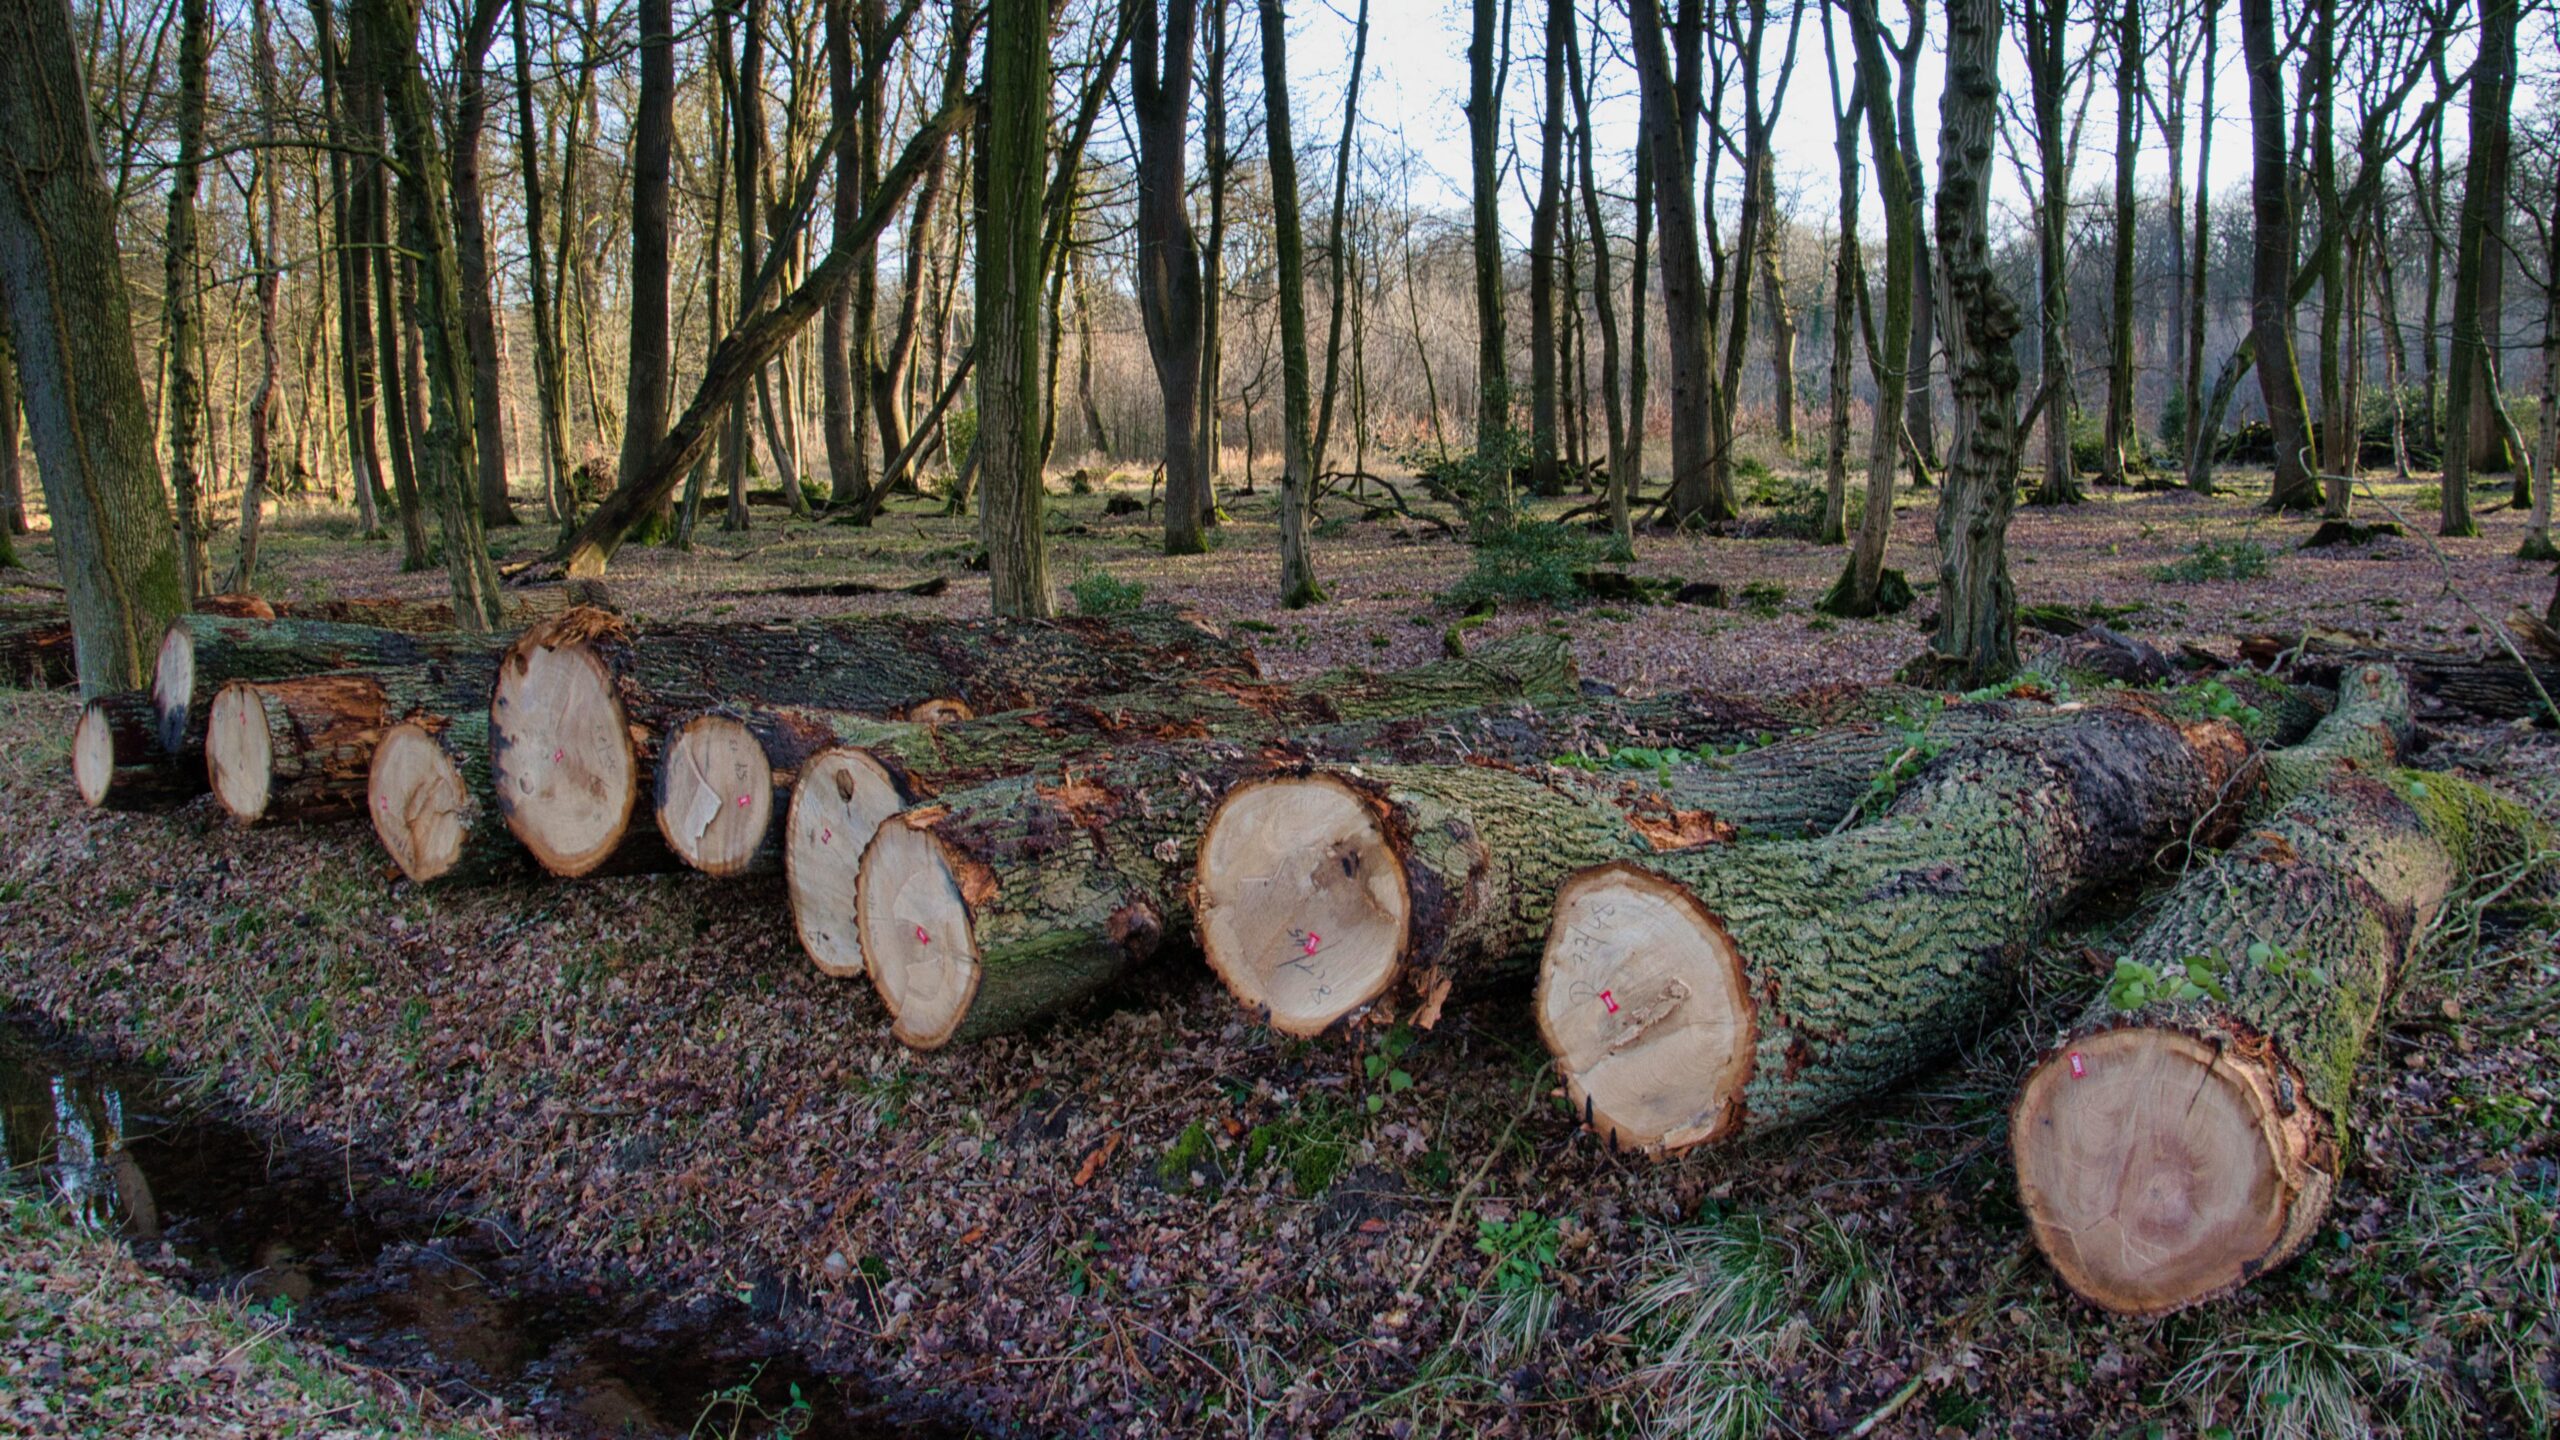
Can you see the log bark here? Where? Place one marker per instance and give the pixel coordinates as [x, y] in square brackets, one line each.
[199, 654]
[848, 789]
[430, 796]
[2492, 685]
[1004, 902]
[582, 703]
[35, 647]
[118, 763]
[302, 749]
[2248, 1002]
[726, 777]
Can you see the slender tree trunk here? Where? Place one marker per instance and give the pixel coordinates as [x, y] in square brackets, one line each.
[1847, 271]
[2121, 429]
[1773, 298]
[1298, 587]
[1213, 281]
[2271, 267]
[1097, 438]
[471, 253]
[1484, 119]
[1169, 284]
[2199, 250]
[445, 476]
[348, 270]
[550, 389]
[2336, 419]
[644, 402]
[2537, 534]
[1335, 257]
[2047, 25]
[1977, 637]
[1860, 590]
[2478, 254]
[1544, 478]
[2427, 192]
[265, 228]
[846, 486]
[64, 296]
[1670, 157]
[1012, 174]
[181, 321]
[1920, 412]
[13, 485]
[389, 286]
[1622, 463]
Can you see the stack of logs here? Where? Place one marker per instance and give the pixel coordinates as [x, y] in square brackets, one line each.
[1805, 902]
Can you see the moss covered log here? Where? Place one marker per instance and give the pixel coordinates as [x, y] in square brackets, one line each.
[2185, 1137]
[582, 702]
[1697, 996]
[997, 904]
[302, 749]
[713, 762]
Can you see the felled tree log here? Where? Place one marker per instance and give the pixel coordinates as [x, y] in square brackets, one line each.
[302, 749]
[724, 777]
[2490, 685]
[35, 646]
[995, 905]
[428, 793]
[199, 654]
[582, 702]
[1694, 998]
[117, 762]
[2185, 1137]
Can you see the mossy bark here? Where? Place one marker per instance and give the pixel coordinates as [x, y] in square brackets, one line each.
[2304, 928]
[321, 729]
[924, 760]
[1867, 955]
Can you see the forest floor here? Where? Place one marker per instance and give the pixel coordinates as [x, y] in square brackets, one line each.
[1153, 1217]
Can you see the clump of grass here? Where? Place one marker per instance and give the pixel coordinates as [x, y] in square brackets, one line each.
[1522, 1253]
[1099, 592]
[1525, 562]
[2214, 560]
[1727, 1301]
[1764, 598]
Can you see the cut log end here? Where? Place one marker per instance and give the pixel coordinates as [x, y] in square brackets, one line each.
[93, 755]
[715, 795]
[565, 773]
[1301, 901]
[1643, 1002]
[839, 802]
[173, 685]
[237, 756]
[2155, 1167]
[915, 934]
[419, 802]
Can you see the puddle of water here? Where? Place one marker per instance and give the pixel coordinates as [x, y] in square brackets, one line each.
[372, 1267]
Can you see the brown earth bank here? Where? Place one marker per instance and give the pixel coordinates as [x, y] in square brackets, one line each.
[1152, 1217]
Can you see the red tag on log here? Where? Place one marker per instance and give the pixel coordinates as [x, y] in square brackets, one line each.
[2078, 1070]
[1609, 999]
[1312, 940]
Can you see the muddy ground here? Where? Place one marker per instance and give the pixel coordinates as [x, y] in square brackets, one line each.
[1153, 1217]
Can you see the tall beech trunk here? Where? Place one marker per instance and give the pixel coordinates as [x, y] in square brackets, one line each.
[1169, 298]
[1670, 155]
[1484, 128]
[1604, 299]
[644, 399]
[582, 703]
[1976, 642]
[1860, 589]
[2047, 22]
[2537, 534]
[550, 383]
[64, 289]
[2253, 996]
[2199, 255]
[1848, 272]
[181, 319]
[1699, 996]
[847, 484]
[445, 474]
[1012, 173]
[2123, 431]
[1036, 892]
[2271, 264]
[2479, 255]
[351, 265]
[1773, 298]
[1337, 255]
[1298, 587]
[1544, 225]
[472, 261]
[265, 226]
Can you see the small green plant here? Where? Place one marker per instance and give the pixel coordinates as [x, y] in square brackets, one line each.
[1522, 1250]
[1080, 1266]
[1193, 1152]
[1099, 592]
[737, 1412]
[1383, 1069]
[1312, 1144]
[1764, 598]
[2214, 560]
[1525, 562]
[2197, 977]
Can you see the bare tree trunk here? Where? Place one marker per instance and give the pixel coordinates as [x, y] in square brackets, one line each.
[1213, 281]
[1012, 174]
[550, 389]
[847, 486]
[64, 294]
[2478, 254]
[2336, 413]
[644, 403]
[471, 252]
[181, 322]
[2121, 431]
[2271, 268]
[13, 484]
[1846, 272]
[1334, 256]
[1773, 298]
[2537, 533]
[1976, 642]
[390, 28]
[1544, 478]
[1097, 437]
[1169, 285]
[390, 285]
[1860, 590]
[2047, 23]
[264, 217]
[1622, 463]
[1670, 157]
[1493, 385]
[2198, 250]
[1298, 587]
